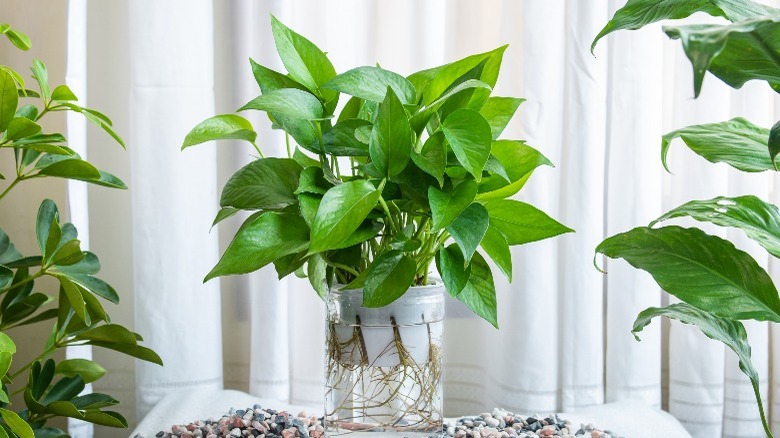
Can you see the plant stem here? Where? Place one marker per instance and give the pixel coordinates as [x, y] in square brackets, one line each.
[42, 356]
[382, 202]
[25, 281]
[287, 143]
[257, 148]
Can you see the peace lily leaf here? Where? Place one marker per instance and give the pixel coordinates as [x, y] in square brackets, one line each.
[479, 294]
[432, 158]
[261, 241]
[496, 247]
[469, 228]
[389, 277]
[289, 102]
[758, 219]
[270, 80]
[21, 127]
[702, 270]
[639, 13]
[391, 137]
[774, 143]
[469, 136]
[305, 62]
[16, 424]
[370, 83]
[341, 140]
[498, 111]
[735, 53]
[729, 332]
[453, 268]
[522, 223]
[342, 210]
[88, 370]
[63, 93]
[736, 142]
[222, 127]
[267, 183]
[9, 99]
[446, 206]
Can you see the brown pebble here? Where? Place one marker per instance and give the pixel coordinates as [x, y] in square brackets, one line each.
[595, 434]
[289, 433]
[302, 414]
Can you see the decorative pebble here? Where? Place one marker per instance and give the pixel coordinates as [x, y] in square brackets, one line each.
[268, 423]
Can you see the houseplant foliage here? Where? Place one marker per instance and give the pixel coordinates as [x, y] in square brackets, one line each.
[371, 196]
[718, 284]
[76, 314]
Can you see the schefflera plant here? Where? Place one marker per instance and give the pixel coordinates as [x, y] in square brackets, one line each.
[411, 170]
[719, 285]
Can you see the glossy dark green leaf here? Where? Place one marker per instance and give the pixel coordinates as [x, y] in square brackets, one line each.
[432, 158]
[304, 160]
[700, 269]
[639, 13]
[305, 62]
[736, 142]
[316, 270]
[222, 127]
[94, 401]
[90, 265]
[63, 93]
[735, 53]
[498, 111]
[75, 298]
[6, 276]
[496, 247]
[108, 333]
[391, 137]
[50, 432]
[223, 214]
[16, 424]
[136, 351]
[259, 242]
[266, 183]
[342, 141]
[774, 143]
[72, 168]
[9, 99]
[308, 205]
[342, 210]
[522, 223]
[89, 371]
[388, 278]
[727, 331]
[469, 228]
[106, 418]
[370, 83]
[47, 215]
[758, 219]
[448, 205]
[65, 389]
[453, 268]
[270, 80]
[21, 127]
[68, 254]
[290, 102]
[313, 180]
[469, 136]
[479, 293]
[8, 251]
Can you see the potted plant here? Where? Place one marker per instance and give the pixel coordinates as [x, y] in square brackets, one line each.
[408, 173]
[52, 388]
[718, 284]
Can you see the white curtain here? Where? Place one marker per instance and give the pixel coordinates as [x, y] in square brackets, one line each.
[160, 67]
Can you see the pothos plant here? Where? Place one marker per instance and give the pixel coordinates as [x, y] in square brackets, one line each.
[718, 284]
[52, 388]
[369, 196]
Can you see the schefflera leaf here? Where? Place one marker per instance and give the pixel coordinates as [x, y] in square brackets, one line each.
[702, 270]
[730, 332]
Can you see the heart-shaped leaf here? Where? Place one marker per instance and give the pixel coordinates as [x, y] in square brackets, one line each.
[342, 210]
[391, 137]
[389, 276]
[370, 83]
[469, 228]
[469, 136]
[222, 127]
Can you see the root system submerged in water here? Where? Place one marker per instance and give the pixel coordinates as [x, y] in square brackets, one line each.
[363, 394]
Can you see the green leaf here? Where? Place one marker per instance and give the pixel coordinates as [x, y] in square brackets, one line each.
[72, 168]
[63, 93]
[391, 137]
[260, 241]
[304, 160]
[388, 278]
[774, 143]
[8, 252]
[342, 210]
[469, 136]
[266, 183]
[522, 223]
[270, 80]
[76, 299]
[18, 39]
[758, 219]
[498, 111]
[702, 270]
[7, 344]
[432, 158]
[108, 333]
[21, 127]
[729, 332]
[370, 83]
[90, 265]
[305, 62]
[736, 142]
[9, 99]
[469, 228]
[16, 424]
[223, 214]
[41, 75]
[639, 13]
[453, 268]
[735, 53]
[50, 432]
[65, 389]
[136, 351]
[225, 126]
[479, 294]
[290, 102]
[341, 140]
[106, 418]
[496, 247]
[6, 276]
[313, 180]
[446, 206]
[423, 116]
[68, 254]
[47, 215]
[94, 401]
[316, 270]
[88, 370]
